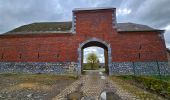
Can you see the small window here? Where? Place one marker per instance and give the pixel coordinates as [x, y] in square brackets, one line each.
[20, 56]
[139, 55]
[140, 47]
[38, 55]
[58, 55]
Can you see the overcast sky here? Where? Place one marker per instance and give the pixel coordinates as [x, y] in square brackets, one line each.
[14, 13]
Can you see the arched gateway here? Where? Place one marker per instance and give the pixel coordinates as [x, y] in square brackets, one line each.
[56, 47]
[99, 43]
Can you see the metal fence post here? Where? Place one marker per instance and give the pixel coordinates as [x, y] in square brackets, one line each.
[158, 69]
[134, 69]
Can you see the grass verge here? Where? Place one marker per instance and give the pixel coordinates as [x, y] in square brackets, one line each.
[125, 82]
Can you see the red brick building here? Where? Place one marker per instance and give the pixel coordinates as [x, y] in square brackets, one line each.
[57, 46]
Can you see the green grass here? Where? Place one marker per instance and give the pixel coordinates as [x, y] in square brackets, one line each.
[126, 77]
[164, 78]
[139, 93]
[131, 77]
[155, 84]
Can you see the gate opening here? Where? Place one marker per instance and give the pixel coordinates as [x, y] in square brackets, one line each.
[97, 44]
[95, 54]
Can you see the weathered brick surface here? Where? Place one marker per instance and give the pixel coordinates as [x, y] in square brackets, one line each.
[63, 47]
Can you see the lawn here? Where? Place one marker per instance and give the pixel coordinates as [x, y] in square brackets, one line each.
[155, 84]
[163, 78]
[127, 84]
[32, 86]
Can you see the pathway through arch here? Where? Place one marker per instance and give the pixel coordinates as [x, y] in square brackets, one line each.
[91, 85]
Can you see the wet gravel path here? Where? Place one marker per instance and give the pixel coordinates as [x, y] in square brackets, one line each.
[91, 85]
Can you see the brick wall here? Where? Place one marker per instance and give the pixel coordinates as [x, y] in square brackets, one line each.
[136, 46]
[63, 47]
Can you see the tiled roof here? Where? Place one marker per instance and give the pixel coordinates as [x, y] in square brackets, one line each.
[65, 27]
[133, 27]
[43, 27]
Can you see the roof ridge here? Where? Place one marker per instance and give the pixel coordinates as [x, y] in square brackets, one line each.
[93, 8]
[52, 22]
[67, 26]
[138, 24]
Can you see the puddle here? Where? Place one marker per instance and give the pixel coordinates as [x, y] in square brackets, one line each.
[75, 96]
[103, 77]
[109, 95]
[100, 73]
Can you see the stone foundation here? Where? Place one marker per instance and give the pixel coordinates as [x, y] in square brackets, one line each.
[72, 68]
[139, 68]
[61, 68]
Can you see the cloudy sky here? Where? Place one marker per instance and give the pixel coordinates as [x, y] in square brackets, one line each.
[14, 13]
[97, 50]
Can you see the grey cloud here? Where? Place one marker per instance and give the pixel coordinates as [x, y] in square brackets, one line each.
[98, 51]
[110, 3]
[19, 12]
[15, 13]
[167, 38]
[151, 12]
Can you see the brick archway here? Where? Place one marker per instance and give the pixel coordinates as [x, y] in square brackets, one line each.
[98, 43]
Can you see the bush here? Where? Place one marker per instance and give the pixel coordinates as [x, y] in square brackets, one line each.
[88, 67]
[159, 86]
[126, 77]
